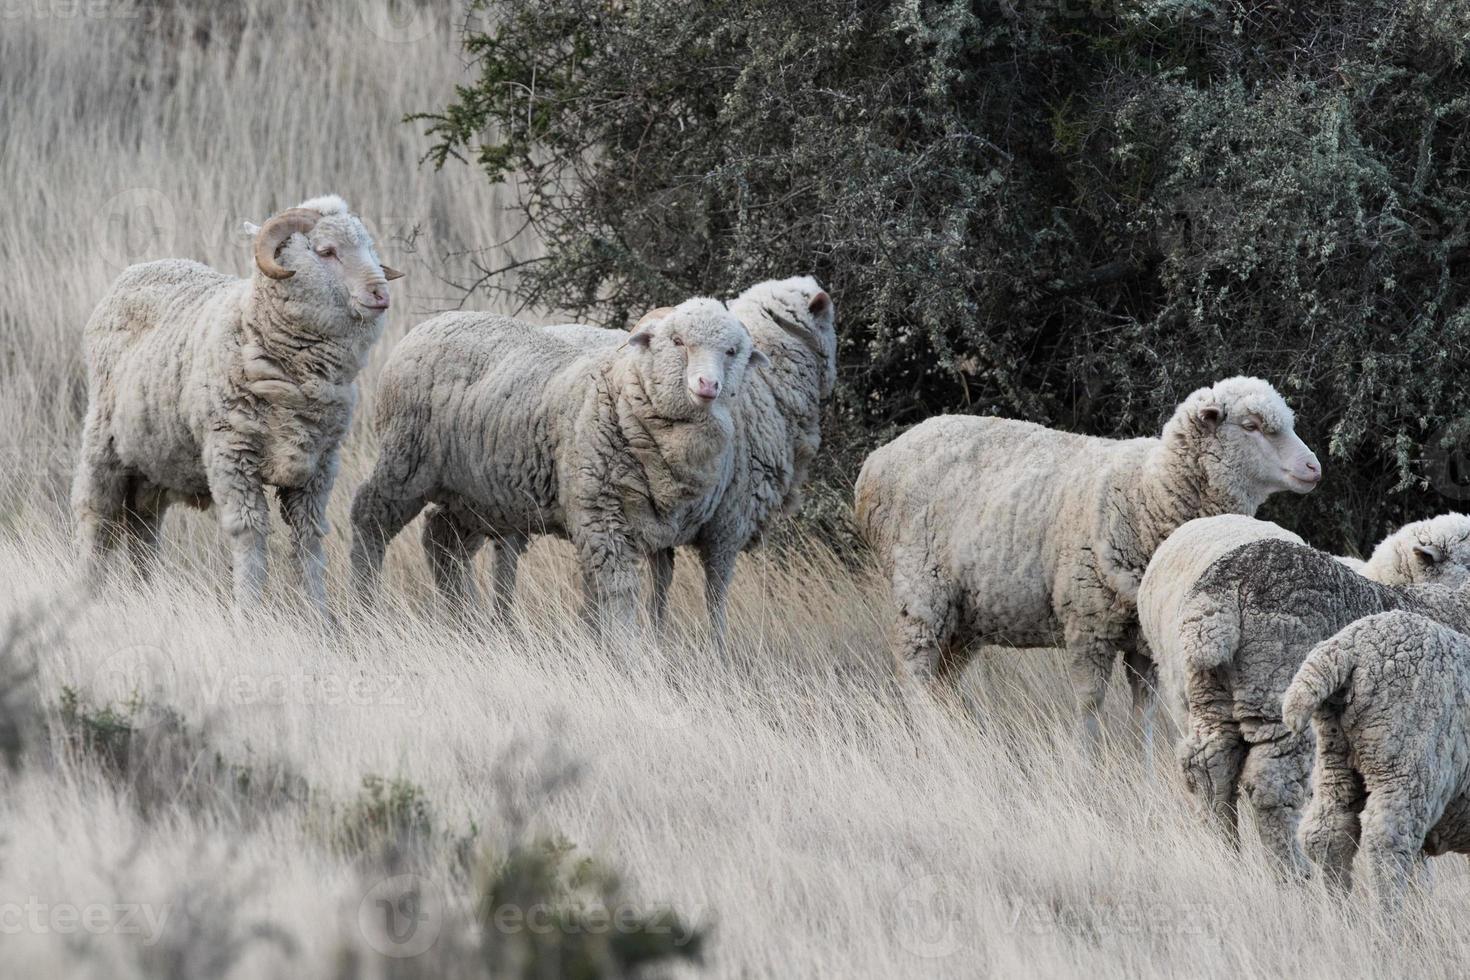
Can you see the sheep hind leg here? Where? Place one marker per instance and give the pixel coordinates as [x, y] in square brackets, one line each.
[661, 565]
[451, 544]
[378, 514]
[1331, 827]
[1394, 824]
[99, 498]
[1275, 776]
[1213, 752]
[143, 523]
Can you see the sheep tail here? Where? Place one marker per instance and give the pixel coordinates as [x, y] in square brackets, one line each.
[1325, 672]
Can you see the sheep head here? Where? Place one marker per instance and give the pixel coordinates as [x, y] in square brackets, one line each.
[696, 355]
[1242, 435]
[331, 251]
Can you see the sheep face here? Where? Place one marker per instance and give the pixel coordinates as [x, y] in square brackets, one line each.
[327, 257]
[696, 355]
[1247, 442]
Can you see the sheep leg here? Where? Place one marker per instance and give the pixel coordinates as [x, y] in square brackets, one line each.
[1395, 822]
[451, 544]
[1278, 764]
[1331, 827]
[99, 501]
[719, 570]
[1091, 665]
[304, 510]
[143, 522]
[1213, 751]
[379, 512]
[508, 551]
[610, 583]
[238, 493]
[661, 564]
[1142, 683]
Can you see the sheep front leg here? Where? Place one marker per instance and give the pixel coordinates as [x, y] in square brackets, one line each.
[719, 571]
[1331, 827]
[304, 509]
[610, 584]
[661, 565]
[144, 525]
[235, 486]
[508, 551]
[1091, 663]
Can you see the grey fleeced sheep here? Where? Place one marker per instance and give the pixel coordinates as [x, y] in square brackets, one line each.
[1389, 699]
[996, 531]
[1227, 643]
[515, 430]
[205, 389]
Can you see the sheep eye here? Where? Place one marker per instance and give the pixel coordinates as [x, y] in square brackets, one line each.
[326, 251]
[1249, 426]
[678, 341]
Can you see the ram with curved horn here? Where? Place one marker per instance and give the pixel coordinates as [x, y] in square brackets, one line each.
[206, 388]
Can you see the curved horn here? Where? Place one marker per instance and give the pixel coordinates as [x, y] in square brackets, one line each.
[273, 235]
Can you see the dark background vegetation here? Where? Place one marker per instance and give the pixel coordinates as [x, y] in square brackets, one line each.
[1072, 212]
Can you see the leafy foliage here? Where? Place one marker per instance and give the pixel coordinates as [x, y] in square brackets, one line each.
[1072, 211]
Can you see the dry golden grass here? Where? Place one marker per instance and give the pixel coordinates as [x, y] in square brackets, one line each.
[785, 801]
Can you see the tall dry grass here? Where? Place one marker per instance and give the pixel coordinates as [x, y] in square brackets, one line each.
[786, 801]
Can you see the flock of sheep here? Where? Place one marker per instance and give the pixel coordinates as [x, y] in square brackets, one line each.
[698, 426]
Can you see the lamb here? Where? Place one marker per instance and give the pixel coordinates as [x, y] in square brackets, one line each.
[514, 430]
[1433, 550]
[777, 416]
[205, 389]
[1389, 697]
[999, 531]
[1227, 642]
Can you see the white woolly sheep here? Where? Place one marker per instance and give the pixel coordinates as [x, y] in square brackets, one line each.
[1389, 699]
[1226, 644]
[513, 430]
[777, 416]
[1003, 532]
[205, 389]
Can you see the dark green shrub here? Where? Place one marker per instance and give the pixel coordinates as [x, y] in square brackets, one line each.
[1072, 211]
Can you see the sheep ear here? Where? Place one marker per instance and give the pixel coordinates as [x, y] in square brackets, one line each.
[1212, 416]
[390, 273]
[249, 229]
[642, 333]
[758, 358]
[1429, 554]
[819, 303]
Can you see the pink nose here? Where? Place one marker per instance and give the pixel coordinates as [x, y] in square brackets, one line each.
[705, 388]
[376, 298]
